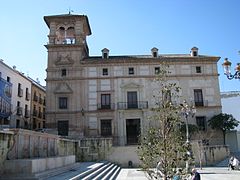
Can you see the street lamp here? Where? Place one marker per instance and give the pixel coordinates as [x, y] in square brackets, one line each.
[227, 70]
[186, 111]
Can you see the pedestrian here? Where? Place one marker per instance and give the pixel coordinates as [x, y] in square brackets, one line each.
[195, 175]
[230, 163]
[235, 163]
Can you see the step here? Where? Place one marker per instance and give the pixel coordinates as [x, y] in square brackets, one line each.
[104, 172]
[95, 173]
[93, 168]
[115, 174]
[111, 173]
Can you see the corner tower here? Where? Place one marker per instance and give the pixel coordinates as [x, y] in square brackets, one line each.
[67, 46]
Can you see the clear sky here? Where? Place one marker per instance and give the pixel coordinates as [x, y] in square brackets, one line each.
[125, 27]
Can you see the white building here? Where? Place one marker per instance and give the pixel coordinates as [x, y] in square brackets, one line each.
[20, 97]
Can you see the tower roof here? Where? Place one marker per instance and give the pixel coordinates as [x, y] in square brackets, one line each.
[57, 18]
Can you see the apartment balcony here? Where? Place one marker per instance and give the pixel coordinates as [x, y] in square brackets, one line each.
[40, 114]
[27, 113]
[106, 106]
[35, 112]
[135, 105]
[20, 92]
[40, 100]
[201, 103]
[27, 96]
[35, 98]
[19, 111]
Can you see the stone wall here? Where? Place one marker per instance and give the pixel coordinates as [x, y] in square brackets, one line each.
[93, 149]
[31, 144]
[210, 155]
[6, 141]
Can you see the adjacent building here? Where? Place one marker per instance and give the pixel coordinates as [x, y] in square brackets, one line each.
[16, 102]
[111, 96]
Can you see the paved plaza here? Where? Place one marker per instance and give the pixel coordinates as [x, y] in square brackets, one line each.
[208, 173]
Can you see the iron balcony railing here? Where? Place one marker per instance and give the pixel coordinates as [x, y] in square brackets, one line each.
[35, 98]
[27, 113]
[110, 106]
[35, 112]
[135, 105]
[201, 103]
[20, 92]
[19, 111]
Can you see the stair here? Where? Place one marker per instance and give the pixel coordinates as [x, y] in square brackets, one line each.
[106, 170]
[83, 170]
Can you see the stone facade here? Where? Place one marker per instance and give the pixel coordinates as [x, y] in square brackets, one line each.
[111, 96]
[38, 106]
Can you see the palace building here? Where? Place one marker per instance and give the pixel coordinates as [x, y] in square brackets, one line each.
[111, 96]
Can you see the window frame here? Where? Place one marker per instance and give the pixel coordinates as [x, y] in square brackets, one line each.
[63, 102]
[105, 71]
[131, 71]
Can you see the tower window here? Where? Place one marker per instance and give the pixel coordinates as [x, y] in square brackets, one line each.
[64, 72]
[62, 102]
[198, 69]
[131, 71]
[105, 71]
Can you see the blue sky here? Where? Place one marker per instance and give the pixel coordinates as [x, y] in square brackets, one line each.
[125, 27]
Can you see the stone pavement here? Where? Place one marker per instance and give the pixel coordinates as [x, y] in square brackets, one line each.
[207, 173]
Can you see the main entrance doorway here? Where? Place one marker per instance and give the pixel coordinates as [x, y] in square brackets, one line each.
[133, 130]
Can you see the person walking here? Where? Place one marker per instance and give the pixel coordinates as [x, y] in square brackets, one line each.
[195, 175]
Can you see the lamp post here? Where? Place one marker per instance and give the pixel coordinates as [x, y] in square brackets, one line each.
[227, 70]
[186, 111]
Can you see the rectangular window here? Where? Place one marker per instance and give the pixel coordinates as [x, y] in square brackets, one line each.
[62, 102]
[198, 97]
[8, 79]
[105, 55]
[105, 101]
[20, 90]
[105, 71]
[157, 70]
[64, 72]
[198, 69]
[201, 122]
[154, 54]
[106, 128]
[132, 99]
[131, 71]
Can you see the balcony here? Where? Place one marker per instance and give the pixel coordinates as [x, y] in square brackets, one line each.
[106, 106]
[35, 112]
[40, 100]
[19, 111]
[35, 98]
[137, 105]
[20, 92]
[40, 114]
[27, 113]
[27, 96]
[201, 103]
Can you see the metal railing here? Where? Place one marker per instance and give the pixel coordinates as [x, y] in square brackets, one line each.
[110, 106]
[135, 105]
